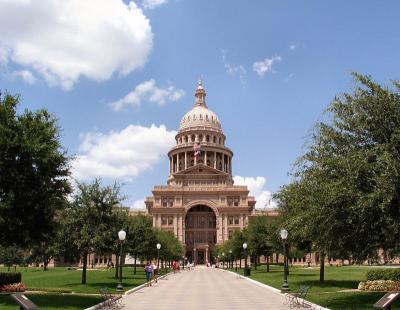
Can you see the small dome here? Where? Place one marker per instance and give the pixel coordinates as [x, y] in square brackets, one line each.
[200, 116]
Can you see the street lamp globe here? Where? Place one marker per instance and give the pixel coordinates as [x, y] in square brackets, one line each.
[245, 246]
[284, 234]
[158, 246]
[121, 235]
[230, 251]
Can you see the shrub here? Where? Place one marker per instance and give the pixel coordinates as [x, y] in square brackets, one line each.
[379, 286]
[16, 287]
[384, 274]
[10, 278]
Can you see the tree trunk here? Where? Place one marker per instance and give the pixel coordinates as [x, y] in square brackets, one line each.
[267, 263]
[134, 267]
[85, 254]
[240, 263]
[45, 263]
[322, 268]
[255, 262]
[116, 266]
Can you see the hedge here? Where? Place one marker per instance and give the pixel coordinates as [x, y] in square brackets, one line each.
[10, 278]
[384, 274]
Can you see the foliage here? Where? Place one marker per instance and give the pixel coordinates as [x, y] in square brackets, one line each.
[90, 220]
[380, 286]
[383, 274]
[11, 255]
[10, 278]
[34, 170]
[349, 174]
[171, 247]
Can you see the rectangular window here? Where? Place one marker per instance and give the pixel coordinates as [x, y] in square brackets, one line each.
[230, 202]
[164, 221]
[230, 233]
[170, 220]
[165, 202]
[236, 202]
[230, 220]
[236, 220]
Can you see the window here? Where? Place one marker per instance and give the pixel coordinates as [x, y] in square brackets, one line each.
[170, 220]
[230, 202]
[168, 202]
[230, 233]
[164, 220]
[230, 220]
[236, 220]
[236, 202]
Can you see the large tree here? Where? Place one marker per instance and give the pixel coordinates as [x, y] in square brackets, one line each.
[90, 219]
[33, 174]
[345, 196]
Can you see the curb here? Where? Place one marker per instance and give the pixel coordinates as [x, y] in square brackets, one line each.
[276, 291]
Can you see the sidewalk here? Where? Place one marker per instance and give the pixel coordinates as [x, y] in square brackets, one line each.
[204, 288]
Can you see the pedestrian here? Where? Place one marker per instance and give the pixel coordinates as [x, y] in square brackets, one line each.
[174, 266]
[149, 273]
[155, 272]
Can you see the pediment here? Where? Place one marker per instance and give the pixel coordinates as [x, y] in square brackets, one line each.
[199, 170]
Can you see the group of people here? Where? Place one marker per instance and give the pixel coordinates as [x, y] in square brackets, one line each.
[151, 270]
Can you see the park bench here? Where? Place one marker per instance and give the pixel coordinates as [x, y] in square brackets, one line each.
[110, 301]
[297, 299]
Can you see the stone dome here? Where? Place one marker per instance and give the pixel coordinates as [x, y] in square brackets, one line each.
[200, 116]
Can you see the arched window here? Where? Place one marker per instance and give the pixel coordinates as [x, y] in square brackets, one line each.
[192, 138]
[208, 138]
[200, 138]
[214, 139]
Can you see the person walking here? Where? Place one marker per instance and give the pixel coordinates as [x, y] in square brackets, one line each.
[155, 273]
[149, 273]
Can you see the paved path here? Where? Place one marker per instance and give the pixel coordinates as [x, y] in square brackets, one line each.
[204, 288]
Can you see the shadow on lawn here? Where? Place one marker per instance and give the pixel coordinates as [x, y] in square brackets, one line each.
[55, 300]
[339, 284]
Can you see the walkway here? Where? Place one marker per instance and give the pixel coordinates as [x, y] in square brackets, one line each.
[204, 288]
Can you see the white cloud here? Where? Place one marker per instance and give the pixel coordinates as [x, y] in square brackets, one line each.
[149, 91]
[139, 204]
[151, 4]
[62, 41]
[264, 66]
[292, 47]
[25, 75]
[121, 154]
[233, 69]
[256, 188]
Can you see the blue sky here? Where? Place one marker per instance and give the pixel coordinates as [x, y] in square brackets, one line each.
[270, 68]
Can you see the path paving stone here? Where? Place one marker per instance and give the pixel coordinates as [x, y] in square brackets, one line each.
[204, 288]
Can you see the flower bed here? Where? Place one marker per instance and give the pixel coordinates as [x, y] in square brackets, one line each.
[11, 288]
[379, 286]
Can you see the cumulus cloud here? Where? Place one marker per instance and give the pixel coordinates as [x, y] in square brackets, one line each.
[264, 66]
[139, 204]
[25, 75]
[148, 91]
[256, 187]
[151, 4]
[121, 154]
[62, 41]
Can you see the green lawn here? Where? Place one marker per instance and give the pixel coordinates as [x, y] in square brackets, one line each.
[60, 280]
[330, 294]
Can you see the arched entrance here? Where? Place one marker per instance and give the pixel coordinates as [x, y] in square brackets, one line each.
[200, 234]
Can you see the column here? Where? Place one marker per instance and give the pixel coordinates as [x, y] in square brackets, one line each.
[196, 138]
[225, 227]
[241, 221]
[223, 162]
[175, 226]
[185, 160]
[195, 160]
[173, 163]
[205, 158]
[206, 255]
[220, 237]
[170, 165]
[229, 164]
[177, 162]
[215, 160]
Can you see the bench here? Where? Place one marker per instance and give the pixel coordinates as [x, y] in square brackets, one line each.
[110, 301]
[297, 299]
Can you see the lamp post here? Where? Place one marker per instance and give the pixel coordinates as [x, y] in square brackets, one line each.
[245, 259]
[121, 237]
[158, 255]
[230, 258]
[218, 260]
[183, 262]
[284, 235]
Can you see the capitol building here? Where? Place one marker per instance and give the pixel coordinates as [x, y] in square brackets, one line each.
[200, 203]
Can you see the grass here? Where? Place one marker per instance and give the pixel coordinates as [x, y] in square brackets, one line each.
[334, 293]
[60, 280]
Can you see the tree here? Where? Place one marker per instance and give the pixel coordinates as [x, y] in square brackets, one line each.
[345, 193]
[11, 255]
[262, 235]
[89, 218]
[141, 237]
[34, 170]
